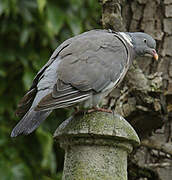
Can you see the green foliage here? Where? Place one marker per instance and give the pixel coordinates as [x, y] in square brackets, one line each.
[29, 32]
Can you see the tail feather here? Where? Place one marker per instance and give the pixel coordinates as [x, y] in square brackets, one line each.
[29, 122]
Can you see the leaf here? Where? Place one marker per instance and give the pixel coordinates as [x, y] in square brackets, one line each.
[41, 59]
[4, 7]
[59, 176]
[27, 15]
[24, 36]
[26, 10]
[2, 73]
[74, 23]
[27, 79]
[20, 172]
[55, 20]
[48, 161]
[41, 5]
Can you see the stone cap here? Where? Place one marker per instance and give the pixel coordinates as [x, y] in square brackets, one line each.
[102, 124]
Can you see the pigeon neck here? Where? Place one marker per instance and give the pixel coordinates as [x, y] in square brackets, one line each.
[127, 38]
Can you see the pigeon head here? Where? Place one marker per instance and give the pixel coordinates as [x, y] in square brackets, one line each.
[143, 44]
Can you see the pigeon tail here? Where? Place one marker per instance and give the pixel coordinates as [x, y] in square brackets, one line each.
[29, 122]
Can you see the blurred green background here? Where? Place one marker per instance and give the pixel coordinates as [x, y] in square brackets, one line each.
[29, 32]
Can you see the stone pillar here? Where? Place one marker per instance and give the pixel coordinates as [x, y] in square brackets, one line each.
[96, 146]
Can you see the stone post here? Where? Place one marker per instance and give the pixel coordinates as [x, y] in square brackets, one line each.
[96, 146]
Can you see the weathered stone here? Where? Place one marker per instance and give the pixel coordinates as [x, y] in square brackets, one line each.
[96, 146]
[168, 25]
[168, 10]
[168, 45]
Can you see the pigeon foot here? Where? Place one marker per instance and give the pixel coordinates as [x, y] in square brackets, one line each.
[99, 109]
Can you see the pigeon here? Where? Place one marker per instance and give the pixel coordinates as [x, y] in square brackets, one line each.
[80, 73]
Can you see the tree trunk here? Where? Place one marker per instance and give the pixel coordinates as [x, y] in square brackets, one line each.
[145, 96]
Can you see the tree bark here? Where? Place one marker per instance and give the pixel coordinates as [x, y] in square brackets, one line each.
[144, 98]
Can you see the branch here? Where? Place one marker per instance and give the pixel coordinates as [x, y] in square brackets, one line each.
[155, 165]
[154, 144]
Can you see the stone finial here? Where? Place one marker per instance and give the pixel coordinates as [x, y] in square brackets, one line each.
[96, 146]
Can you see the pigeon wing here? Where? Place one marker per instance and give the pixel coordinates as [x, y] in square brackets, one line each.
[87, 65]
[26, 102]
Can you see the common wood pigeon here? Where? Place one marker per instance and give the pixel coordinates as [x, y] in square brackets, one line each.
[80, 73]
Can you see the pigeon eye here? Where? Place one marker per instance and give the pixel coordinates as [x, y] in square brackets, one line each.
[144, 40]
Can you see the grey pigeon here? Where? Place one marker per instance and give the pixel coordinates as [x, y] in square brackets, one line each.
[80, 73]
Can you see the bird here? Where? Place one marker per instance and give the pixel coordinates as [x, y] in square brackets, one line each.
[80, 73]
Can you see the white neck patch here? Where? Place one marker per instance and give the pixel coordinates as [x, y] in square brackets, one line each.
[127, 38]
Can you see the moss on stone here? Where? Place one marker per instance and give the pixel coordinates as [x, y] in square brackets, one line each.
[99, 123]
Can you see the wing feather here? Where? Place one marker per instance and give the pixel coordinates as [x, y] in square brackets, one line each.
[63, 95]
[93, 62]
[25, 102]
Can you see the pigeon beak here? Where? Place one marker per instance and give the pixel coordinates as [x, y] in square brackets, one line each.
[155, 56]
[153, 53]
